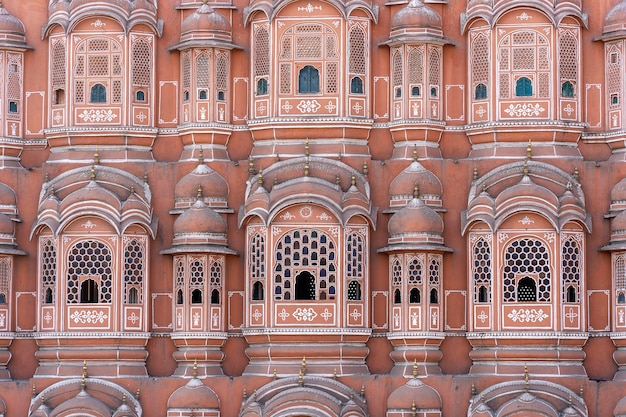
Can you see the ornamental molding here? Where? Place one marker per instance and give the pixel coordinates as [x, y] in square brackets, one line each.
[529, 315]
[97, 116]
[524, 110]
[88, 316]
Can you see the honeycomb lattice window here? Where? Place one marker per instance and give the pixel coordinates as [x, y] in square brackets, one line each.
[221, 71]
[14, 80]
[285, 78]
[179, 279]
[614, 77]
[397, 70]
[332, 72]
[357, 51]
[202, 71]
[480, 60]
[434, 67]
[620, 272]
[197, 274]
[571, 270]
[186, 71]
[89, 260]
[415, 271]
[416, 65]
[355, 264]
[568, 57]
[99, 60]
[48, 269]
[307, 255]
[5, 278]
[215, 279]
[434, 278]
[58, 65]
[526, 259]
[134, 270]
[396, 280]
[309, 47]
[261, 51]
[79, 66]
[141, 63]
[257, 257]
[286, 48]
[481, 270]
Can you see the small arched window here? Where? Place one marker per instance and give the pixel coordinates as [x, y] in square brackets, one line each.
[305, 286]
[571, 294]
[48, 296]
[480, 92]
[621, 298]
[397, 296]
[140, 95]
[88, 291]
[179, 297]
[261, 87]
[434, 296]
[483, 297]
[354, 290]
[133, 296]
[526, 290]
[415, 91]
[98, 94]
[414, 296]
[567, 89]
[257, 291]
[196, 296]
[221, 95]
[215, 296]
[3, 298]
[309, 80]
[356, 85]
[523, 87]
[202, 95]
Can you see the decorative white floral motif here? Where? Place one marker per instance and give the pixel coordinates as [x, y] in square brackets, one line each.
[621, 316]
[481, 111]
[502, 237]
[309, 106]
[415, 318]
[142, 117]
[568, 109]
[288, 216]
[304, 314]
[326, 314]
[306, 212]
[179, 319]
[86, 316]
[434, 319]
[324, 216]
[47, 317]
[216, 320]
[97, 116]
[3, 318]
[396, 320]
[98, 24]
[287, 107]
[88, 225]
[355, 315]
[524, 16]
[257, 314]
[526, 221]
[196, 319]
[482, 317]
[524, 110]
[528, 315]
[309, 8]
[331, 107]
[133, 318]
[550, 237]
[283, 314]
[357, 107]
[571, 315]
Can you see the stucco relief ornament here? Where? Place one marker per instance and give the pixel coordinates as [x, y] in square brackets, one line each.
[526, 221]
[482, 317]
[308, 106]
[529, 315]
[309, 8]
[524, 16]
[257, 314]
[86, 316]
[97, 116]
[356, 315]
[621, 316]
[287, 216]
[133, 318]
[98, 24]
[88, 224]
[331, 106]
[524, 110]
[304, 314]
[306, 212]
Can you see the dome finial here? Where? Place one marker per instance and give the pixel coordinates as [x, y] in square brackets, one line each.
[251, 166]
[194, 372]
[414, 368]
[260, 180]
[416, 191]
[529, 150]
[525, 167]
[526, 382]
[475, 173]
[304, 365]
[306, 169]
[201, 154]
[199, 193]
[353, 180]
[365, 168]
[92, 173]
[96, 155]
[306, 147]
[415, 153]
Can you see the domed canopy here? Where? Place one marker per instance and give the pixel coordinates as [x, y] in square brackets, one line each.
[202, 179]
[194, 395]
[414, 392]
[12, 32]
[205, 28]
[200, 219]
[615, 20]
[402, 187]
[416, 217]
[416, 22]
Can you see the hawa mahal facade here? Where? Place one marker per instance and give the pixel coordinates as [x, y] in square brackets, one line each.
[312, 208]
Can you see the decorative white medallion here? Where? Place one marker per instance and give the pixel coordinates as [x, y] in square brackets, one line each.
[304, 314]
[529, 315]
[86, 316]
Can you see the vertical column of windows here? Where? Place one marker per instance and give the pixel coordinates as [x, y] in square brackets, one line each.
[614, 77]
[179, 279]
[482, 270]
[197, 271]
[134, 270]
[48, 269]
[397, 73]
[416, 70]
[58, 72]
[203, 72]
[355, 258]
[620, 277]
[5, 279]
[221, 76]
[568, 62]
[357, 58]
[479, 64]
[186, 74]
[14, 85]
[215, 278]
[434, 70]
[257, 266]
[261, 60]
[396, 280]
[434, 278]
[141, 73]
[415, 278]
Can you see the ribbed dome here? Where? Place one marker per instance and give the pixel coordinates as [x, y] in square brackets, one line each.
[199, 219]
[404, 183]
[205, 23]
[124, 4]
[214, 187]
[414, 392]
[83, 401]
[12, 32]
[416, 217]
[194, 395]
[616, 18]
[527, 188]
[416, 15]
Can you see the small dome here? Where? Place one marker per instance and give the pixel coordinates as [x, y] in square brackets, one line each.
[12, 32]
[416, 217]
[620, 408]
[194, 395]
[199, 219]
[214, 188]
[205, 23]
[83, 401]
[416, 15]
[618, 193]
[7, 196]
[123, 4]
[615, 19]
[414, 392]
[402, 186]
[619, 223]
[6, 226]
[528, 190]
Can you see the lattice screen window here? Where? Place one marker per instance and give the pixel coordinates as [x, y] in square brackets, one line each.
[524, 54]
[614, 77]
[571, 270]
[434, 71]
[620, 277]
[216, 278]
[481, 270]
[416, 71]
[305, 266]
[434, 278]
[134, 270]
[179, 279]
[14, 85]
[396, 280]
[98, 61]
[186, 74]
[197, 278]
[415, 273]
[141, 71]
[221, 74]
[58, 75]
[357, 58]
[568, 62]
[526, 263]
[261, 56]
[256, 263]
[89, 273]
[355, 260]
[48, 265]
[5, 278]
[203, 75]
[309, 45]
[397, 73]
[480, 64]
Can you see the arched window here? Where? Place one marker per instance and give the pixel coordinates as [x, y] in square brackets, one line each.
[3, 298]
[526, 290]
[215, 296]
[526, 273]
[415, 91]
[354, 291]
[179, 297]
[434, 296]
[133, 296]
[88, 291]
[196, 296]
[356, 85]
[202, 95]
[309, 80]
[98, 94]
[397, 296]
[621, 298]
[480, 92]
[523, 87]
[140, 95]
[305, 286]
[261, 87]
[483, 296]
[48, 296]
[257, 291]
[89, 273]
[567, 89]
[571, 294]
[414, 296]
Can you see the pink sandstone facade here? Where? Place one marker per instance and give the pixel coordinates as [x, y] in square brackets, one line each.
[312, 208]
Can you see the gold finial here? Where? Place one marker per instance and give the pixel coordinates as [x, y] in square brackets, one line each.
[275, 375]
[340, 156]
[46, 177]
[526, 382]
[201, 156]
[569, 399]
[124, 398]
[415, 153]
[475, 173]
[306, 169]
[337, 179]
[576, 173]
[306, 147]
[525, 167]
[260, 181]
[353, 180]
[335, 373]
[304, 365]
[415, 366]
[581, 391]
[482, 397]
[34, 391]
[300, 378]
[473, 389]
[132, 189]
[416, 190]
[362, 390]
[413, 408]
[251, 166]
[137, 393]
[245, 394]
[92, 173]
[145, 176]
[254, 394]
[85, 368]
[275, 180]
[365, 168]
[529, 150]
[96, 157]
[199, 192]
[484, 188]
[194, 371]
